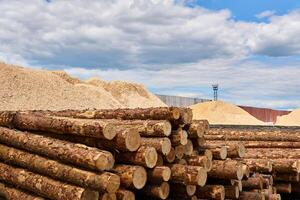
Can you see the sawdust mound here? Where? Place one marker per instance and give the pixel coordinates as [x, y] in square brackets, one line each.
[66, 77]
[292, 119]
[219, 112]
[130, 95]
[28, 89]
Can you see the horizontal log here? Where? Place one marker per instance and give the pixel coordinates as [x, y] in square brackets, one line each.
[290, 177]
[273, 153]
[132, 177]
[286, 165]
[205, 123]
[195, 130]
[170, 157]
[219, 153]
[253, 183]
[159, 174]
[123, 194]
[234, 149]
[259, 165]
[267, 144]
[179, 151]
[43, 185]
[76, 154]
[162, 145]
[107, 196]
[283, 187]
[11, 193]
[232, 192]
[254, 195]
[160, 191]
[182, 191]
[102, 182]
[215, 192]
[188, 148]
[228, 169]
[179, 137]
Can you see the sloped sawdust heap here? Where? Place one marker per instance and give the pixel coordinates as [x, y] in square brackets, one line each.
[292, 119]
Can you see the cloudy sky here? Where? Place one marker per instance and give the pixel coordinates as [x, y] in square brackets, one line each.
[177, 47]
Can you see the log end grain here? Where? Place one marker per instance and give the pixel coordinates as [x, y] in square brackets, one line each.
[170, 157]
[133, 140]
[223, 152]
[175, 113]
[166, 174]
[188, 148]
[125, 195]
[166, 146]
[241, 149]
[191, 190]
[89, 195]
[164, 190]
[202, 176]
[240, 172]
[151, 157]
[110, 131]
[139, 178]
[105, 161]
[166, 127]
[113, 182]
[107, 196]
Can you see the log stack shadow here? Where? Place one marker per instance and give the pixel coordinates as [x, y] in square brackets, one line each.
[152, 153]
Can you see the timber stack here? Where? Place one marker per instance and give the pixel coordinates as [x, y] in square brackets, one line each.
[126, 154]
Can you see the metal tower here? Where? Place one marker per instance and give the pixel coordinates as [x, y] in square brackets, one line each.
[215, 88]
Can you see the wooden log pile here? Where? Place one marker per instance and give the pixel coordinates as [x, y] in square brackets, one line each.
[126, 154]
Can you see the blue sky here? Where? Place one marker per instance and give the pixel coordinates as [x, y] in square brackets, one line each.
[176, 47]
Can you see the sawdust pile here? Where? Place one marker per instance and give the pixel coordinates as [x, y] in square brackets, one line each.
[292, 119]
[131, 95]
[219, 112]
[28, 89]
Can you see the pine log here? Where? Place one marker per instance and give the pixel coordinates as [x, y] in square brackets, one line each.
[76, 154]
[11, 193]
[162, 145]
[205, 123]
[267, 144]
[267, 180]
[246, 171]
[232, 192]
[290, 177]
[219, 153]
[44, 186]
[201, 161]
[102, 182]
[132, 177]
[283, 187]
[255, 195]
[159, 174]
[145, 156]
[179, 137]
[123, 194]
[179, 191]
[107, 196]
[273, 153]
[234, 149]
[160, 160]
[253, 183]
[286, 165]
[259, 165]
[157, 191]
[198, 142]
[188, 148]
[179, 151]
[274, 197]
[195, 130]
[228, 169]
[170, 157]
[190, 175]
[215, 192]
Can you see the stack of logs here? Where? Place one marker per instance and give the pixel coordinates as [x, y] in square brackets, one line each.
[126, 154]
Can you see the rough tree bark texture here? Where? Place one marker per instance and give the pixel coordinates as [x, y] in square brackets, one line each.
[215, 192]
[182, 191]
[286, 165]
[43, 185]
[289, 177]
[229, 169]
[159, 174]
[232, 192]
[201, 161]
[160, 191]
[195, 130]
[251, 196]
[11, 193]
[77, 154]
[162, 145]
[259, 165]
[123, 194]
[102, 182]
[271, 153]
[179, 137]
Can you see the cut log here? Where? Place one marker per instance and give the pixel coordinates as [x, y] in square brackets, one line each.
[190, 175]
[253, 183]
[11, 193]
[205, 123]
[286, 165]
[251, 196]
[160, 160]
[170, 157]
[268, 144]
[102, 182]
[159, 174]
[188, 148]
[107, 196]
[123, 194]
[179, 151]
[145, 156]
[267, 180]
[179, 137]
[232, 192]
[76, 154]
[162, 145]
[246, 171]
[132, 177]
[215, 192]
[157, 191]
[271, 153]
[219, 153]
[234, 149]
[195, 130]
[43, 185]
[274, 197]
[283, 187]
[182, 191]
[291, 177]
[201, 161]
[259, 165]
[228, 169]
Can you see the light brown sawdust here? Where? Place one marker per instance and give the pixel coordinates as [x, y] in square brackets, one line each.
[292, 119]
[28, 89]
[219, 112]
[66, 77]
[130, 95]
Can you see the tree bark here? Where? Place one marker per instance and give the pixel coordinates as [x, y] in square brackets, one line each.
[11, 193]
[229, 169]
[132, 177]
[159, 174]
[251, 196]
[195, 130]
[43, 185]
[76, 154]
[162, 145]
[286, 165]
[201, 161]
[188, 148]
[123, 194]
[253, 183]
[205, 123]
[290, 177]
[160, 191]
[102, 182]
[170, 157]
[273, 153]
[178, 137]
[107, 196]
[215, 192]
[283, 187]
[259, 165]
[232, 192]
[182, 191]
[145, 156]
[179, 151]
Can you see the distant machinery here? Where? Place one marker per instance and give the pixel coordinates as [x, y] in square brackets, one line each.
[215, 88]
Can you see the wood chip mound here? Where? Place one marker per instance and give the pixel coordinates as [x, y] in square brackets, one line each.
[292, 119]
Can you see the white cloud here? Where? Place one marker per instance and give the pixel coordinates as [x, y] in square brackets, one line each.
[265, 14]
